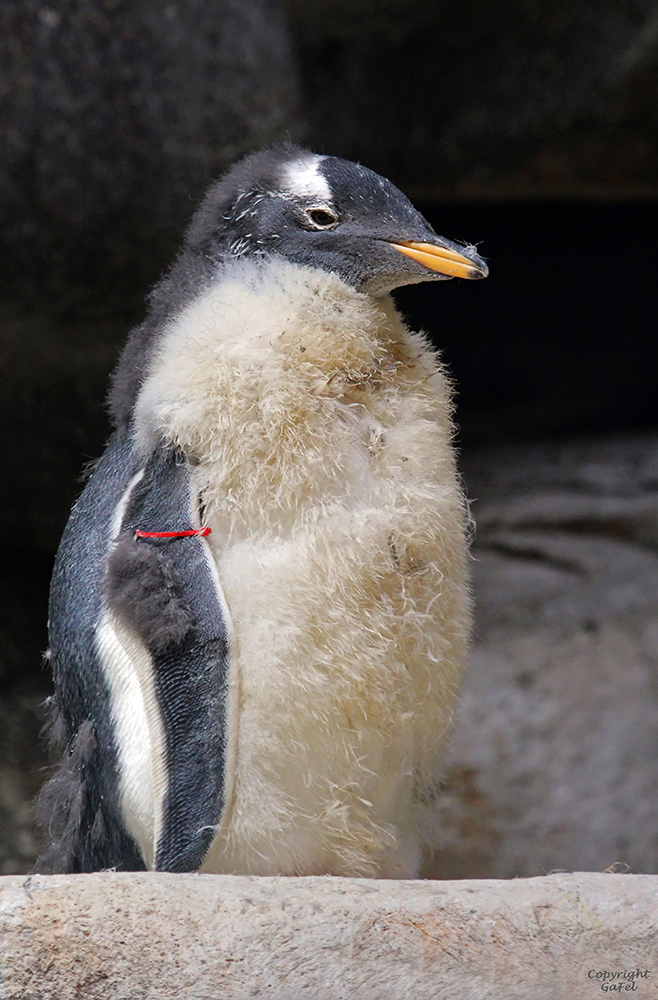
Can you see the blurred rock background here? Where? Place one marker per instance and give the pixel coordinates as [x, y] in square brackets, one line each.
[529, 128]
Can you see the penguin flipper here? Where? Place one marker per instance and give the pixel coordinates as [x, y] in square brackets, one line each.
[83, 834]
[139, 652]
[78, 807]
[166, 591]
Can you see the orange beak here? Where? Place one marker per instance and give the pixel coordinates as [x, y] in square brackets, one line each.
[443, 260]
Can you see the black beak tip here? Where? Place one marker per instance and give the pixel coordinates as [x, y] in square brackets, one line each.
[480, 267]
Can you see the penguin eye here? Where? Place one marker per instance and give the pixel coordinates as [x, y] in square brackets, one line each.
[321, 219]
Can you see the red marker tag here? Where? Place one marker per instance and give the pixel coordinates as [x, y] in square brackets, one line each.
[173, 534]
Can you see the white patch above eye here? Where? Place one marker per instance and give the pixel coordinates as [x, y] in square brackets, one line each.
[303, 179]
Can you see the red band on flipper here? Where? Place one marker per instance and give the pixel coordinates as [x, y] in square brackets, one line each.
[173, 534]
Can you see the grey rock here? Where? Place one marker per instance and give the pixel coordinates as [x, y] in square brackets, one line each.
[199, 937]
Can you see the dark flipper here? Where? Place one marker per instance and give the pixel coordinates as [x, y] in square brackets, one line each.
[166, 592]
[165, 589]
[78, 807]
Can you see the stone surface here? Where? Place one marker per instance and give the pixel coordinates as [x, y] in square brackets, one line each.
[128, 937]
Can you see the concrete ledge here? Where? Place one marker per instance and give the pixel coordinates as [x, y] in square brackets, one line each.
[201, 937]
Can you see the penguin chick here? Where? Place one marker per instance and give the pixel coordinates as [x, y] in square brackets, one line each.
[259, 608]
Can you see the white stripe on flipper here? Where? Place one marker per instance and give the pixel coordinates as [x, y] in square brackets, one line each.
[128, 670]
[139, 732]
[117, 517]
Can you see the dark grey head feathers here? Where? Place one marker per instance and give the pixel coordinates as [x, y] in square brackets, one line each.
[319, 211]
[316, 211]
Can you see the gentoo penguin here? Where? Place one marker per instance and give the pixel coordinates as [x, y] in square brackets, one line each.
[260, 607]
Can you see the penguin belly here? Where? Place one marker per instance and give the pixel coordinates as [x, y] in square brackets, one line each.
[318, 431]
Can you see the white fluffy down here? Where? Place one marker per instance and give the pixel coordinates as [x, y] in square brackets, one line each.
[318, 430]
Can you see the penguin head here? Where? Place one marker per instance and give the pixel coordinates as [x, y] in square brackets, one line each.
[316, 211]
[329, 213]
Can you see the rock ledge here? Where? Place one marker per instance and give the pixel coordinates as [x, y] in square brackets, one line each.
[132, 936]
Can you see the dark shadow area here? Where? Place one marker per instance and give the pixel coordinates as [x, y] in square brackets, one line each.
[24, 582]
[560, 339]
